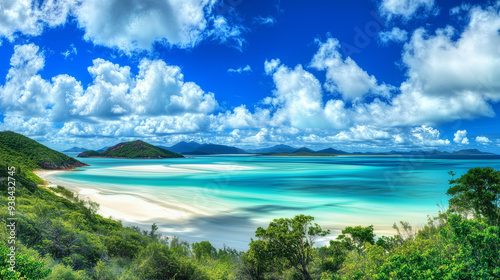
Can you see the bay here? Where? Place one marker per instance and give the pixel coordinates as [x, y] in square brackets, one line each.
[223, 199]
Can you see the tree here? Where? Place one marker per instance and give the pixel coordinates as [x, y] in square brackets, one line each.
[156, 261]
[257, 259]
[356, 237]
[332, 257]
[478, 189]
[204, 249]
[26, 267]
[290, 242]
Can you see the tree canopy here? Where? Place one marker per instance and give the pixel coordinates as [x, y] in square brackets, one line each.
[479, 190]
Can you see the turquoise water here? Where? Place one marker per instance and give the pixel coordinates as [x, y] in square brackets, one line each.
[227, 197]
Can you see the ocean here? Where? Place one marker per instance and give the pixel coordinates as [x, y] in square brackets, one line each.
[223, 199]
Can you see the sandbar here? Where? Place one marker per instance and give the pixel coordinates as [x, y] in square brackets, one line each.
[156, 168]
[213, 167]
[128, 206]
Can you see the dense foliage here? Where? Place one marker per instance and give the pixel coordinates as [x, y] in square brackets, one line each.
[62, 237]
[90, 153]
[134, 149]
[27, 154]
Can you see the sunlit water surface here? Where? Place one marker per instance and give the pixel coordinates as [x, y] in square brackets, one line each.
[228, 197]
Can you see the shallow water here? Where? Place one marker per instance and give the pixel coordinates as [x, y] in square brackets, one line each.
[228, 197]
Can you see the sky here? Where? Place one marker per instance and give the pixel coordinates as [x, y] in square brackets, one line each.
[371, 75]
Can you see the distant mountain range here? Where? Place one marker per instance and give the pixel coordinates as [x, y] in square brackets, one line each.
[75, 149]
[464, 152]
[182, 147]
[212, 149]
[194, 148]
[275, 149]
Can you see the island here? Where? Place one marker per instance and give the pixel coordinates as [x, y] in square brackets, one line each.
[132, 150]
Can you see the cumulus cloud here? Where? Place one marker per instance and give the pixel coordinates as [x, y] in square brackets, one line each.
[444, 66]
[160, 90]
[32, 126]
[157, 90]
[394, 35]
[28, 17]
[344, 75]
[461, 137]
[271, 65]
[406, 9]
[483, 140]
[362, 133]
[427, 136]
[298, 97]
[241, 69]
[25, 90]
[298, 100]
[241, 117]
[137, 24]
[126, 25]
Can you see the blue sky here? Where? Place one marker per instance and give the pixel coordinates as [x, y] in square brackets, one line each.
[353, 75]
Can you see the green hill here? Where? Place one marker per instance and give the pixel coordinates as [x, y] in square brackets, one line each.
[89, 153]
[134, 149]
[27, 154]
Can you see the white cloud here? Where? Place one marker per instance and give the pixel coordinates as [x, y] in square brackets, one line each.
[31, 126]
[158, 89]
[128, 26]
[271, 65]
[138, 24]
[428, 137]
[71, 51]
[297, 97]
[458, 9]
[110, 87]
[483, 140]
[447, 79]
[139, 126]
[25, 90]
[65, 93]
[443, 66]
[461, 137]
[362, 133]
[30, 17]
[269, 20]
[405, 9]
[394, 35]
[241, 69]
[345, 76]
[226, 33]
[241, 117]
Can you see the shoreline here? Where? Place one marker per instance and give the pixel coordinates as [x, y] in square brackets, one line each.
[128, 207]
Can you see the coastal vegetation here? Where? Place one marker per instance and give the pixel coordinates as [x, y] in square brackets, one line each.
[63, 237]
[133, 149]
[27, 155]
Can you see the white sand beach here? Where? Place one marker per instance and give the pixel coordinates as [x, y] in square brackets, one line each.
[127, 206]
